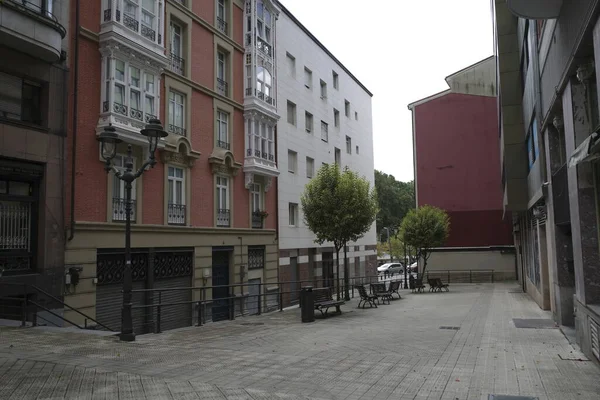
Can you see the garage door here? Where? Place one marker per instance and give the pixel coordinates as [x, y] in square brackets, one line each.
[177, 315]
[109, 301]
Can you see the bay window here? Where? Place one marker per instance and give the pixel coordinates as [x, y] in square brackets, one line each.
[261, 140]
[139, 16]
[264, 84]
[129, 90]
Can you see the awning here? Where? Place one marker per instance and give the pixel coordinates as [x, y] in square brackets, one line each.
[587, 151]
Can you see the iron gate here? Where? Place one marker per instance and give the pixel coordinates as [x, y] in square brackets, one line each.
[220, 277]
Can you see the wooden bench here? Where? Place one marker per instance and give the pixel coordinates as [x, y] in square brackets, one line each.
[365, 297]
[436, 285]
[380, 292]
[418, 286]
[324, 300]
[394, 287]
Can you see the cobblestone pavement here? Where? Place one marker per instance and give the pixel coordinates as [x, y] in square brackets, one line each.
[396, 351]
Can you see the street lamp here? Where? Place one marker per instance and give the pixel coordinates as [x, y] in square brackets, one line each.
[109, 141]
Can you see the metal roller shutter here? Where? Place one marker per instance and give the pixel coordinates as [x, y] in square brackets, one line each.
[109, 301]
[174, 316]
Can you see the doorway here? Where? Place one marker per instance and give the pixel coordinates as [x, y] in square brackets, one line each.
[327, 266]
[294, 278]
[220, 277]
[253, 305]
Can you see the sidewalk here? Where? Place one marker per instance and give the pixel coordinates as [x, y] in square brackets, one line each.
[396, 351]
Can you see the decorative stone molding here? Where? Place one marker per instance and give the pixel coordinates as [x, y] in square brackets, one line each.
[179, 152]
[112, 48]
[223, 162]
[255, 115]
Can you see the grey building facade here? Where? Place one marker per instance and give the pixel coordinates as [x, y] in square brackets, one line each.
[548, 56]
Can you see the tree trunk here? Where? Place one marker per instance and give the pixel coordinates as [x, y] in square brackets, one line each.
[424, 266]
[346, 276]
[337, 271]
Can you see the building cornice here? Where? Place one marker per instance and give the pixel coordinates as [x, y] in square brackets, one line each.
[89, 34]
[148, 228]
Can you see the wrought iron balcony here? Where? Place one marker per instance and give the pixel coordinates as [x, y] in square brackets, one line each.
[119, 209]
[222, 87]
[176, 214]
[257, 220]
[148, 33]
[148, 117]
[120, 108]
[264, 47]
[223, 217]
[108, 15]
[136, 114]
[178, 130]
[222, 25]
[177, 64]
[131, 23]
[224, 145]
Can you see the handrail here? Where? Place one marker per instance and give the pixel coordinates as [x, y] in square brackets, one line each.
[53, 313]
[70, 308]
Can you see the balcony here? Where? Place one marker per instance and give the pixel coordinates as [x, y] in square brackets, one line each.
[257, 220]
[223, 219]
[260, 163]
[222, 25]
[535, 9]
[224, 145]
[30, 27]
[177, 64]
[178, 130]
[222, 87]
[119, 214]
[176, 214]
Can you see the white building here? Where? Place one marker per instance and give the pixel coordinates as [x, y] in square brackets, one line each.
[325, 117]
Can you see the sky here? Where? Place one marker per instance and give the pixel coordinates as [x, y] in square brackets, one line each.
[401, 50]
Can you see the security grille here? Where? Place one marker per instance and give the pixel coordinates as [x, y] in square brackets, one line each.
[595, 338]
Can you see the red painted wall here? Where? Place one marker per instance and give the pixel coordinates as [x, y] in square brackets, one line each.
[458, 167]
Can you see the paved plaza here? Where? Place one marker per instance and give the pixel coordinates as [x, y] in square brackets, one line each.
[396, 351]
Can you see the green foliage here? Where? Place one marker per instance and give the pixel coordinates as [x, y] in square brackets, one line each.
[424, 229]
[395, 200]
[397, 248]
[338, 206]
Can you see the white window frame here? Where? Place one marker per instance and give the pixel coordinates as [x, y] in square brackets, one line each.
[222, 65]
[323, 89]
[264, 81]
[176, 48]
[261, 23]
[293, 214]
[222, 10]
[222, 189]
[256, 197]
[174, 95]
[261, 138]
[294, 111]
[119, 163]
[324, 131]
[172, 181]
[292, 161]
[223, 126]
[139, 12]
[309, 122]
[310, 167]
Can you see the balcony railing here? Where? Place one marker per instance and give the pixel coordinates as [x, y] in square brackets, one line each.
[176, 214]
[120, 108]
[131, 23]
[264, 47]
[224, 145]
[119, 209]
[177, 64]
[261, 96]
[136, 114]
[148, 33]
[222, 87]
[223, 217]
[257, 220]
[178, 130]
[222, 25]
[148, 117]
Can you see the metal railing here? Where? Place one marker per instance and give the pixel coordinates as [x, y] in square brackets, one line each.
[257, 220]
[177, 64]
[178, 130]
[222, 87]
[223, 144]
[119, 209]
[37, 10]
[176, 214]
[223, 219]
[222, 25]
[30, 304]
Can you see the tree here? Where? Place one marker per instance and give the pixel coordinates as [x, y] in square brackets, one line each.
[397, 248]
[339, 207]
[394, 198]
[424, 229]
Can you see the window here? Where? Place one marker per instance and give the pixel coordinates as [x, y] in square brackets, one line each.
[324, 131]
[338, 156]
[291, 64]
[176, 62]
[347, 108]
[357, 152]
[125, 87]
[264, 84]
[264, 21]
[176, 113]
[222, 86]
[293, 211]
[323, 90]
[256, 257]
[223, 216]
[532, 144]
[223, 130]
[261, 140]
[144, 20]
[292, 161]
[356, 115]
[307, 78]
[222, 16]
[20, 99]
[310, 167]
[255, 197]
[336, 118]
[176, 192]
[119, 195]
[291, 113]
[308, 121]
[336, 83]
[348, 145]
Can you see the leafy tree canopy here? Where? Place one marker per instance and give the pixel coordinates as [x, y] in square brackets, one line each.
[397, 248]
[395, 200]
[338, 206]
[424, 229]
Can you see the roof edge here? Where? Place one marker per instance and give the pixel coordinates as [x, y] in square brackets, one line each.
[322, 46]
[428, 98]
[467, 67]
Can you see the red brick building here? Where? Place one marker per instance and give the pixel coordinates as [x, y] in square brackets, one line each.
[457, 159]
[198, 218]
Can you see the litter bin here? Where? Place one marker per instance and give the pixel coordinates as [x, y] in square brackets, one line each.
[307, 304]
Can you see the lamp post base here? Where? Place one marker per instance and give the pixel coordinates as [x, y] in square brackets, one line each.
[127, 337]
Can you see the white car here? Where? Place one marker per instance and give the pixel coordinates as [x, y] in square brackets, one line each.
[390, 268]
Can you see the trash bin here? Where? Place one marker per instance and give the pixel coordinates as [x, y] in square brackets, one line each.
[307, 304]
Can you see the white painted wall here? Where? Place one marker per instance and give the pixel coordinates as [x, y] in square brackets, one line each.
[292, 39]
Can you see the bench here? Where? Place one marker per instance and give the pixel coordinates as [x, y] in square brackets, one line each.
[365, 297]
[380, 292]
[324, 300]
[394, 287]
[418, 286]
[436, 284]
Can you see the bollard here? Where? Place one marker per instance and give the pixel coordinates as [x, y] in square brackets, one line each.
[307, 299]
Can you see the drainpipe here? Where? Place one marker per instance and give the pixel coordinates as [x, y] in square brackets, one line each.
[276, 187]
[74, 139]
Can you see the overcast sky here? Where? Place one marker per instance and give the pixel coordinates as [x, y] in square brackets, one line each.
[401, 50]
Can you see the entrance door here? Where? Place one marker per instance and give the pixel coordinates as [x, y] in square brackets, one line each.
[220, 277]
[294, 278]
[253, 305]
[327, 265]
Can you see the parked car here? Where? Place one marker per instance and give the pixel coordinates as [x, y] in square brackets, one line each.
[391, 268]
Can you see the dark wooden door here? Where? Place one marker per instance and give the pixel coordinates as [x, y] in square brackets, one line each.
[220, 277]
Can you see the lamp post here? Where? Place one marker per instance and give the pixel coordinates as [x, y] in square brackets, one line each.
[389, 243]
[406, 266]
[109, 141]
